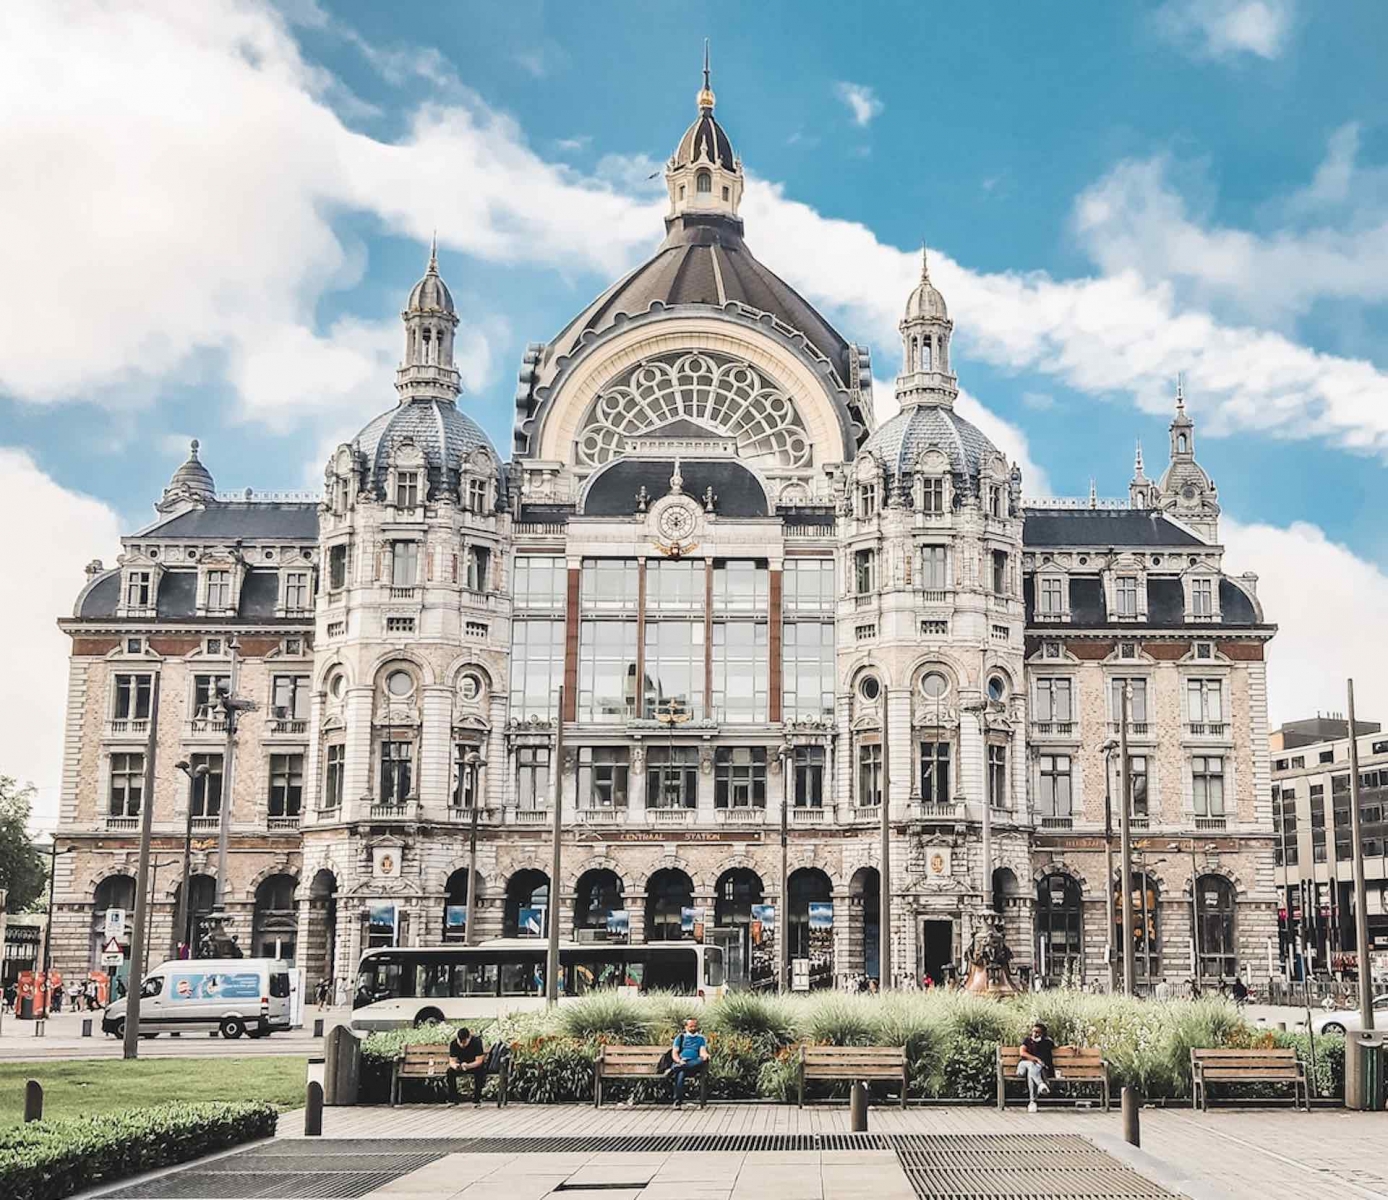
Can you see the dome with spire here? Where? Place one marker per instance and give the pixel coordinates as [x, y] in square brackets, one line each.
[898, 444]
[925, 302]
[705, 140]
[431, 294]
[191, 482]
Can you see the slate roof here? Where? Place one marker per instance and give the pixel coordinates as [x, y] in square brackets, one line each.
[444, 435]
[613, 493]
[897, 443]
[706, 139]
[177, 598]
[1165, 606]
[243, 520]
[1102, 527]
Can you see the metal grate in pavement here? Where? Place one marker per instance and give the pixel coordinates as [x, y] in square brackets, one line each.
[194, 1184]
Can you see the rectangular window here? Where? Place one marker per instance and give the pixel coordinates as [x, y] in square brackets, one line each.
[934, 568]
[1125, 595]
[132, 697]
[337, 566]
[740, 672]
[864, 571]
[933, 495]
[1202, 597]
[1137, 713]
[296, 591]
[537, 668]
[207, 693]
[999, 572]
[739, 777]
[1206, 697]
[399, 624]
[809, 776]
[674, 669]
[219, 590]
[606, 670]
[1137, 772]
[675, 586]
[997, 776]
[870, 774]
[206, 794]
[1207, 776]
[672, 777]
[808, 670]
[1054, 701]
[127, 784]
[1052, 597]
[407, 489]
[478, 562]
[602, 776]
[867, 500]
[477, 496]
[740, 585]
[137, 589]
[807, 585]
[467, 771]
[995, 508]
[1326, 756]
[333, 775]
[609, 585]
[539, 583]
[934, 785]
[532, 777]
[404, 564]
[289, 697]
[397, 772]
[286, 784]
[1055, 799]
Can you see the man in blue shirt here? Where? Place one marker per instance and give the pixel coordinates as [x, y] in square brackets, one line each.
[690, 1050]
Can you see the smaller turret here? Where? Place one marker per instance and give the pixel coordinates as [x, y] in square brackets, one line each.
[703, 175]
[1185, 491]
[1139, 487]
[925, 332]
[190, 484]
[427, 371]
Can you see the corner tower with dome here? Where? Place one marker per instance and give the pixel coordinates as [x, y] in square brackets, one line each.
[744, 604]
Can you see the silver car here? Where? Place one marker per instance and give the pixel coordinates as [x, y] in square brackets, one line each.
[1346, 1020]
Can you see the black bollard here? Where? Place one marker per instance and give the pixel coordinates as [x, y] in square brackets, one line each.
[1132, 1133]
[318, 1027]
[313, 1110]
[86, 1027]
[857, 1106]
[33, 1101]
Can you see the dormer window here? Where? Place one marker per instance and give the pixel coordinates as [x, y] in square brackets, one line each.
[933, 500]
[867, 500]
[995, 502]
[219, 589]
[477, 496]
[407, 489]
[703, 183]
[137, 589]
[1125, 595]
[1050, 596]
[296, 591]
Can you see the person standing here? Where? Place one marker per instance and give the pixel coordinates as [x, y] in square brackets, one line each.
[466, 1057]
[1037, 1063]
[690, 1050]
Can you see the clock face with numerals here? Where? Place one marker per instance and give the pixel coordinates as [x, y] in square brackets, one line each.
[676, 522]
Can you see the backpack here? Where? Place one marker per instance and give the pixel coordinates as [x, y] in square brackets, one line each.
[495, 1056]
[667, 1060]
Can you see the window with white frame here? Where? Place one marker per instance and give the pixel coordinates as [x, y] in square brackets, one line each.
[934, 777]
[404, 564]
[997, 775]
[476, 500]
[1125, 595]
[739, 777]
[337, 566]
[867, 500]
[289, 697]
[807, 585]
[296, 595]
[603, 774]
[1055, 798]
[127, 786]
[478, 562]
[1137, 773]
[809, 776]
[1202, 597]
[870, 774]
[138, 589]
[808, 673]
[540, 582]
[397, 771]
[1207, 785]
[205, 794]
[864, 571]
[1137, 712]
[1050, 595]
[934, 568]
[1054, 701]
[999, 572]
[219, 590]
[1205, 698]
[995, 505]
[532, 777]
[132, 697]
[207, 695]
[467, 770]
[933, 495]
[286, 785]
[334, 773]
[407, 489]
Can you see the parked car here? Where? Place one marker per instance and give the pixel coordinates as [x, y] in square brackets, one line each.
[1346, 1020]
[232, 995]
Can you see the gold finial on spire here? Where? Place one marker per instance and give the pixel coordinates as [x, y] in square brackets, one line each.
[705, 99]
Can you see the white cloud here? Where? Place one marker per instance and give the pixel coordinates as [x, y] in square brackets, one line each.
[861, 100]
[1223, 29]
[52, 533]
[1327, 604]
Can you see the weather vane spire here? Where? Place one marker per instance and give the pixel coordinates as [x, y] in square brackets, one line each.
[434, 254]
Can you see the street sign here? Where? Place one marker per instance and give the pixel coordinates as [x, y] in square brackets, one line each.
[115, 922]
[799, 974]
[112, 960]
[111, 947]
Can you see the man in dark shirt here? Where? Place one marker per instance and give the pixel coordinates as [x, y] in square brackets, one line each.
[466, 1056]
[1037, 1063]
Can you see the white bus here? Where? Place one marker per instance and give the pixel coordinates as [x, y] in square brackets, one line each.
[399, 986]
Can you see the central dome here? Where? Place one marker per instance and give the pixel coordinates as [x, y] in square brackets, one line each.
[898, 443]
[444, 435]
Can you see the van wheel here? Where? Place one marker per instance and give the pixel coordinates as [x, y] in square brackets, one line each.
[118, 1029]
[428, 1016]
[149, 1035]
[1333, 1027]
[233, 1027]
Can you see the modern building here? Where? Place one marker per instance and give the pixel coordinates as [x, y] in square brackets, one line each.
[1314, 851]
[702, 587]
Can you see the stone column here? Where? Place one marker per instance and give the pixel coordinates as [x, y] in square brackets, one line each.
[357, 781]
[436, 747]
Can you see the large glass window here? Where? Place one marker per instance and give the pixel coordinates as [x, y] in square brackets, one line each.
[537, 668]
[672, 776]
[808, 585]
[602, 776]
[739, 777]
[740, 585]
[606, 670]
[934, 783]
[1214, 906]
[1137, 714]
[539, 583]
[205, 795]
[404, 564]
[1207, 776]
[1206, 700]
[1054, 703]
[532, 777]
[1059, 928]
[1055, 799]
[397, 771]
[934, 568]
[807, 669]
[870, 774]
[127, 784]
[675, 586]
[809, 776]
[132, 697]
[740, 672]
[610, 585]
[289, 697]
[1146, 924]
[286, 785]
[674, 668]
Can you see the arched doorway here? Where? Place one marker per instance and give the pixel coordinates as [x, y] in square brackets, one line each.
[321, 950]
[810, 924]
[735, 894]
[599, 892]
[455, 913]
[202, 897]
[1005, 888]
[1146, 926]
[275, 925]
[527, 904]
[668, 893]
[1215, 902]
[1059, 929]
[865, 913]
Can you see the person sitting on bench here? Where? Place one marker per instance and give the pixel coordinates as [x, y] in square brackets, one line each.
[466, 1056]
[1037, 1063]
[690, 1050]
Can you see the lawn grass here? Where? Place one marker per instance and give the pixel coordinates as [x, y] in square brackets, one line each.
[81, 1087]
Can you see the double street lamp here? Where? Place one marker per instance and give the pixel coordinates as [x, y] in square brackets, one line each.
[181, 934]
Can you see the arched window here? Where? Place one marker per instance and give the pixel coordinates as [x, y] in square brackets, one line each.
[1180, 443]
[1214, 903]
[1059, 928]
[703, 183]
[275, 923]
[865, 915]
[736, 893]
[322, 926]
[924, 362]
[527, 901]
[810, 931]
[1004, 887]
[455, 911]
[668, 893]
[1146, 927]
[599, 892]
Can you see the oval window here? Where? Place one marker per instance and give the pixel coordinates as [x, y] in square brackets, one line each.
[470, 687]
[399, 683]
[997, 688]
[337, 685]
[933, 685]
[870, 688]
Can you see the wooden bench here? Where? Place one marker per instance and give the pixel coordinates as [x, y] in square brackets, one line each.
[636, 1062]
[868, 1063]
[431, 1062]
[1246, 1066]
[1073, 1064]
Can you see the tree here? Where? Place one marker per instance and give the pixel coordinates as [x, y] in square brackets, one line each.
[22, 869]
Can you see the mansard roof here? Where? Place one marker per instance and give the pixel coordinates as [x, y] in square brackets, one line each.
[177, 597]
[1101, 527]
[241, 519]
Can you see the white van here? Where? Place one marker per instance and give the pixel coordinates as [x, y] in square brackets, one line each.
[233, 995]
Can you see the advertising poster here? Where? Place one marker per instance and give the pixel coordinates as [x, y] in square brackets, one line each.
[692, 923]
[455, 920]
[530, 922]
[212, 985]
[761, 967]
[618, 924]
[381, 924]
[821, 919]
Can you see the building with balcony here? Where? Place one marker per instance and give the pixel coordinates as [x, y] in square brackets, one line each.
[703, 592]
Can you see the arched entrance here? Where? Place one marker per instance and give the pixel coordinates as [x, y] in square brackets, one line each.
[202, 896]
[1005, 888]
[455, 913]
[668, 893]
[735, 894]
[527, 903]
[865, 915]
[599, 892]
[1215, 904]
[275, 925]
[1146, 926]
[113, 892]
[1059, 929]
[810, 929]
[320, 953]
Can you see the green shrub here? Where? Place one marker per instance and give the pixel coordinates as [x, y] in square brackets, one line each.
[47, 1160]
[1327, 1075]
[767, 1021]
[607, 1016]
[969, 1070]
[552, 1070]
[839, 1020]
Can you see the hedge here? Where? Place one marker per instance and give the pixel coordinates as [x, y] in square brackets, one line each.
[47, 1160]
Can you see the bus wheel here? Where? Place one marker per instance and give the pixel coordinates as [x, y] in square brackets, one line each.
[427, 1016]
[233, 1027]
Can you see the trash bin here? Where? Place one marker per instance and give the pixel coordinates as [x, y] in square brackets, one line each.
[1366, 1070]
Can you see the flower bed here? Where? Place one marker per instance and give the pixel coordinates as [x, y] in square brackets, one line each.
[47, 1160]
[950, 1040]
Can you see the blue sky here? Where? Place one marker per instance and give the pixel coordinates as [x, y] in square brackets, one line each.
[217, 209]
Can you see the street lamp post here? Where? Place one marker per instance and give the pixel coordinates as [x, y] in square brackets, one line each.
[787, 756]
[884, 874]
[131, 1047]
[1108, 748]
[1125, 846]
[1361, 910]
[1194, 911]
[474, 764]
[552, 954]
[47, 960]
[181, 935]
